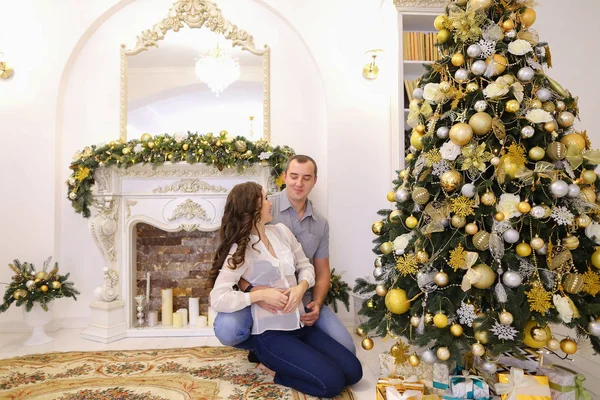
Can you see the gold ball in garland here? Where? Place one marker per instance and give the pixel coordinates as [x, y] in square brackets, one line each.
[396, 350]
[512, 106]
[488, 198]
[505, 318]
[537, 242]
[481, 336]
[481, 123]
[568, 346]
[404, 173]
[565, 119]
[441, 279]
[420, 129]
[150, 145]
[443, 35]
[539, 334]
[391, 197]
[396, 301]
[41, 275]
[456, 330]
[44, 288]
[560, 105]
[367, 343]
[472, 87]
[443, 353]
[360, 331]
[415, 320]
[524, 207]
[377, 227]
[395, 216]
[126, 150]
[471, 228]
[414, 360]
[523, 249]
[451, 180]
[553, 344]
[528, 17]
[185, 147]
[535, 104]
[549, 106]
[440, 320]
[381, 290]
[416, 140]
[499, 216]
[588, 176]
[550, 126]
[537, 153]
[422, 256]
[529, 340]
[19, 293]
[458, 221]
[386, 247]
[500, 62]
[440, 21]
[508, 25]
[583, 221]
[55, 285]
[574, 139]
[411, 222]
[461, 133]
[589, 194]
[457, 59]
[146, 137]
[477, 349]
[487, 277]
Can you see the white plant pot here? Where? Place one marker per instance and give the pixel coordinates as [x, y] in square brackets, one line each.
[37, 318]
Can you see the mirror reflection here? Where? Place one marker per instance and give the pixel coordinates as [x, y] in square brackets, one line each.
[196, 81]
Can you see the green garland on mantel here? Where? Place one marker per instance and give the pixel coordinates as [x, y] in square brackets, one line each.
[218, 150]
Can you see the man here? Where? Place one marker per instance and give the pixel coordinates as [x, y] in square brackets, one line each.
[292, 208]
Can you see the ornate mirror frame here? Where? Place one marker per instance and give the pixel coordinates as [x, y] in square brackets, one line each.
[196, 14]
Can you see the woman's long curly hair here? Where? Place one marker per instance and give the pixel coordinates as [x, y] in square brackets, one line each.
[242, 213]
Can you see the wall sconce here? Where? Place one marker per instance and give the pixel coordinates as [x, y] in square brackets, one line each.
[371, 69]
[5, 70]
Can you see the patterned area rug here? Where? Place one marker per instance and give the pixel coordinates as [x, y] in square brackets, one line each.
[201, 373]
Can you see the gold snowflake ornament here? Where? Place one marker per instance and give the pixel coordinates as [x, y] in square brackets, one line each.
[458, 257]
[407, 264]
[539, 298]
[591, 282]
[82, 173]
[462, 206]
[432, 156]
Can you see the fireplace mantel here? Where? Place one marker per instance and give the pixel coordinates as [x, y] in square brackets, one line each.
[172, 197]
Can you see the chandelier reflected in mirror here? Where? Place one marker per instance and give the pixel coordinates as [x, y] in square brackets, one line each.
[217, 69]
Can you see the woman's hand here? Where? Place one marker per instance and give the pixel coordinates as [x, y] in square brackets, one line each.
[295, 296]
[273, 297]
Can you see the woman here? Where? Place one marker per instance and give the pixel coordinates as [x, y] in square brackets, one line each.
[269, 256]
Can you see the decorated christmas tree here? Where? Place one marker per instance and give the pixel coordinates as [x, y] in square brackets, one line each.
[493, 233]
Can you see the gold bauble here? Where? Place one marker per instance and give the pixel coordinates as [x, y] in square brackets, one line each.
[549, 106]
[428, 318]
[457, 59]
[481, 336]
[589, 194]
[443, 35]
[505, 318]
[565, 119]
[37, 280]
[170, 157]
[126, 150]
[557, 151]
[415, 320]
[451, 180]
[370, 304]
[377, 227]
[440, 320]
[456, 330]
[568, 346]
[508, 78]
[396, 350]
[571, 242]
[420, 129]
[112, 143]
[528, 340]
[472, 87]
[422, 256]
[537, 242]
[481, 123]
[588, 176]
[386, 247]
[471, 228]
[360, 331]
[404, 173]
[508, 25]
[573, 283]
[477, 349]
[145, 137]
[523, 249]
[547, 210]
[528, 17]
[440, 21]
[536, 153]
[411, 222]
[381, 290]
[416, 141]
[441, 279]
[477, 4]
[481, 240]
[553, 344]
[500, 63]
[487, 276]
[44, 288]
[396, 301]
[395, 217]
[583, 220]
[414, 360]
[560, 105]
[550, 126]
[523, 207]
[499, 216]
[367, 343]
[420, 195]
[17, 294]
[185, 147]
[443, 353]
[41, 275]
[391, 197]
[150, 145]
[488, 198]
[539, 334]
[574, 139]
[55, 285]
[409, 157]
[458, 221]
[461, 134]
[512, 106]
[445, 86]
[535, 104]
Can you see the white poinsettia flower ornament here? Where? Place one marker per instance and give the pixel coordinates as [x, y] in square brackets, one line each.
[519, 47]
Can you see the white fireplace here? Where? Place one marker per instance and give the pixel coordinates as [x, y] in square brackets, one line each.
[172, 197]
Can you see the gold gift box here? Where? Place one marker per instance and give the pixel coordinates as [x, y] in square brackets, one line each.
[401, 385]
[542, 381]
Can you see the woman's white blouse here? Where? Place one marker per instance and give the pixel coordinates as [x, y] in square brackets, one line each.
[260, 268]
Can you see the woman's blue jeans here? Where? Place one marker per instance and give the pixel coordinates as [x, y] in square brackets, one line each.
[308, 360]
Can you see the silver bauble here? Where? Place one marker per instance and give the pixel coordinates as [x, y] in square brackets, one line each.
[480, 105]
[378, 262]
[559, 188]
[512, 279]
[574, 191]
[418, 93]
[461, 75]
[30, 285]
[543, 250]
[474, 50]
[489, 367]
[495, 161]
[402, 195]
[377, 272]
[538, 212]
[468, 190]
[477, 349]
[594, 328]
[428, 357]
[478, 67]
[525, 74]
[511, 34]
[511, 236]
[425, 280]
[543, 94]
[442, 132]
[527, 131]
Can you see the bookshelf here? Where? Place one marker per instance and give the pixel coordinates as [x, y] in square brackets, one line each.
[416, 39]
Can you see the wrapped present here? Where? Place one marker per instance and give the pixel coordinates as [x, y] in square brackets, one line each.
[441, 376]
[393, 394]
[565, 384]
[424, 371]
[527, 359]
[467, 387]
[518, 386]
[490, 378]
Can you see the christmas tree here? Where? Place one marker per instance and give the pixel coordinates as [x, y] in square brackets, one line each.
[495, 226]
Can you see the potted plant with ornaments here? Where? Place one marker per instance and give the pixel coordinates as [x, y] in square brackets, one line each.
[34, 290]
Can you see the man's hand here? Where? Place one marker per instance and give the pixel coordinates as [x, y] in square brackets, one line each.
[311, 317]
[295, 296]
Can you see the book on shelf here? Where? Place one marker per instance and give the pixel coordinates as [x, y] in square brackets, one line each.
[419, 46]
[409, 87]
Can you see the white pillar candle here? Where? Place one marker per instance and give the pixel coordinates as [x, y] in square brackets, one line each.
[167, 307]
[177, 320]
[184, 312]
[212, 314]
[152, 318]
[201, 321]
[147, 286]
[194, 309]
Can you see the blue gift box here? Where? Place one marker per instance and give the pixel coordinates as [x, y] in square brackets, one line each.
[467, 387]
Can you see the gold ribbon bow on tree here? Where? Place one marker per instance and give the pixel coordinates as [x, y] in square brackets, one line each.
[575, 157]
[543, 169]
[471, 276]
[415, 112]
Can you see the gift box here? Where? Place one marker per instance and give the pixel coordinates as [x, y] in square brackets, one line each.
[467, 387]
[441, 376]
[490, 378]
[518, 386]
[526, 359]
[565, 384]
[400, 384]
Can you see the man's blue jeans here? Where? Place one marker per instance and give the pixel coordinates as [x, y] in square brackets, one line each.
[233, 329]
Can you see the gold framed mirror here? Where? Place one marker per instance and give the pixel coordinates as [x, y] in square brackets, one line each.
[204, 74]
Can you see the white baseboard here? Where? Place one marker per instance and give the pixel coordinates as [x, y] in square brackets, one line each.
[53, 326]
